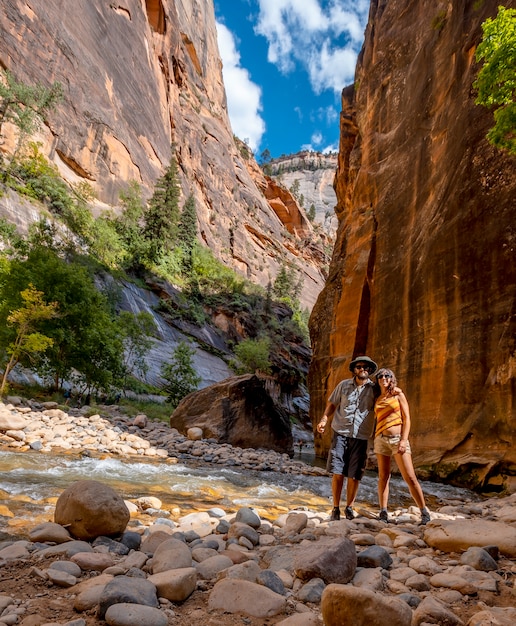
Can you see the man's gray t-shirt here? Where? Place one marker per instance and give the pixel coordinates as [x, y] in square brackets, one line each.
[354, 413]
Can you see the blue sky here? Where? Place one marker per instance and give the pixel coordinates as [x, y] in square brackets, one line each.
[285, 63]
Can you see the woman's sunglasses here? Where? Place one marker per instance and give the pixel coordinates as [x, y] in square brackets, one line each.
[380, 376]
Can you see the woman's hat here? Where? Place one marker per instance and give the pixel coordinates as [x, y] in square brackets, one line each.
[363, 359]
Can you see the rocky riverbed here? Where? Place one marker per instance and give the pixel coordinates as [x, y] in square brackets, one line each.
[223, 568]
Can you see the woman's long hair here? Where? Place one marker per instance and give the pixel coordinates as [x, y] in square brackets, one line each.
[392, 382]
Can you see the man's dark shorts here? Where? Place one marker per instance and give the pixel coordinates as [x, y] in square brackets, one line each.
[347, 456]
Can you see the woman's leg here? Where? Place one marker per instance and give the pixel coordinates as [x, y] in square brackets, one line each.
[384, 475]
[404, 463]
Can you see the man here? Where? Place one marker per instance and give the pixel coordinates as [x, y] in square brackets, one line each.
[350, 408]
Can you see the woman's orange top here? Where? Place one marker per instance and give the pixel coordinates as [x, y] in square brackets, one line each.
[388, 414]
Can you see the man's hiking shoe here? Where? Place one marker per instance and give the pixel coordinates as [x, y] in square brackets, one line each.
[383, 517]
[425, 517]
[335, 514]
[349, 513]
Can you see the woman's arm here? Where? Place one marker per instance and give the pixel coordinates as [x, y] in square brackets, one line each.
[405, 429]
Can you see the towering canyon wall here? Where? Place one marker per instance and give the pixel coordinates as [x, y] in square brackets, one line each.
[423, 276]
[138, 76]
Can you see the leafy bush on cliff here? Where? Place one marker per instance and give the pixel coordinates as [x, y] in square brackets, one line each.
[496, 81]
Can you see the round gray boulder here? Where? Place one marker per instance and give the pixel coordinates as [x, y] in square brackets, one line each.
[89, 509]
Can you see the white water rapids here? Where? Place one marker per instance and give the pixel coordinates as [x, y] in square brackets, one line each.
[30, 482]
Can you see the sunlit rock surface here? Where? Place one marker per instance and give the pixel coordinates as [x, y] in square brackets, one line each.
[138, 77]
[423, 275]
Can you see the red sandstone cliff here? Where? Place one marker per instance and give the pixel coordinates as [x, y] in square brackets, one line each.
[423, 276]
[137, 76]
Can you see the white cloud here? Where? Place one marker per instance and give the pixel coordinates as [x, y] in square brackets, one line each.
[316, 139]
[323, 36]
[331, 68]
[243, 96]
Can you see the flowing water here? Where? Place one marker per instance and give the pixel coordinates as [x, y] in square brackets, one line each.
[30, 483]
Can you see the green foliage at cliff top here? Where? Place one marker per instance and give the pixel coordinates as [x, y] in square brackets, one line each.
[496, 81]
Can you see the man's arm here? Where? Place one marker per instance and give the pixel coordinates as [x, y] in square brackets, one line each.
[328, 414]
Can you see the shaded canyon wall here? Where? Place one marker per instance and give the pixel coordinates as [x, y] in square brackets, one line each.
[423, 275]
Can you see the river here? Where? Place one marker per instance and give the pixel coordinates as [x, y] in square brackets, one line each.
[30, 483]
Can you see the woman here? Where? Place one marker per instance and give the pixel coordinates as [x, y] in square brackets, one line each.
[391, 439]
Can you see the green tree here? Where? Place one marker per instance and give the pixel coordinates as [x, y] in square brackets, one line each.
[162, 215]
[496, 81]
[265, 156]
[294, 189]
[179, 375]
[311, 212]
[129, 226]
[32, 175]
[25, 105]
[285, 286]
[23, 323]
[86, 339]
[254, 355]
[136, 331]
[187, 233]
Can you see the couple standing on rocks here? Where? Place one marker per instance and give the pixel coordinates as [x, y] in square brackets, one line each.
[357, 407]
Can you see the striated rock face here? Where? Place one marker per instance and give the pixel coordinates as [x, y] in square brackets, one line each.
[138, 77]
[423, 277]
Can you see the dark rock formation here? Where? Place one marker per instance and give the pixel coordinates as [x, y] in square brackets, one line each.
[238, 411]
[423, 277]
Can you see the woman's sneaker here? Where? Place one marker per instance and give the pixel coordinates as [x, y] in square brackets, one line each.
[335, 514]
[383, 517]
[349, 513]
[425, 517]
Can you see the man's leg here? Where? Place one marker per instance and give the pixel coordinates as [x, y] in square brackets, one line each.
[351, 491]
[355, 466]
[337, 483]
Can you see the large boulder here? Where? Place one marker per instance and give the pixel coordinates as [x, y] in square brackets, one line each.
[335, 562]
[343, 605]
[90, 509]
[239, 411]
[459, 535]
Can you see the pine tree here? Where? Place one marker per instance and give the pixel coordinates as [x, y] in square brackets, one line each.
[282, 286]
[187, 232]
[162, 215]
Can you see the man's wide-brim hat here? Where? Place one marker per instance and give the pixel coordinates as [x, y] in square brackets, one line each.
[363, 359]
